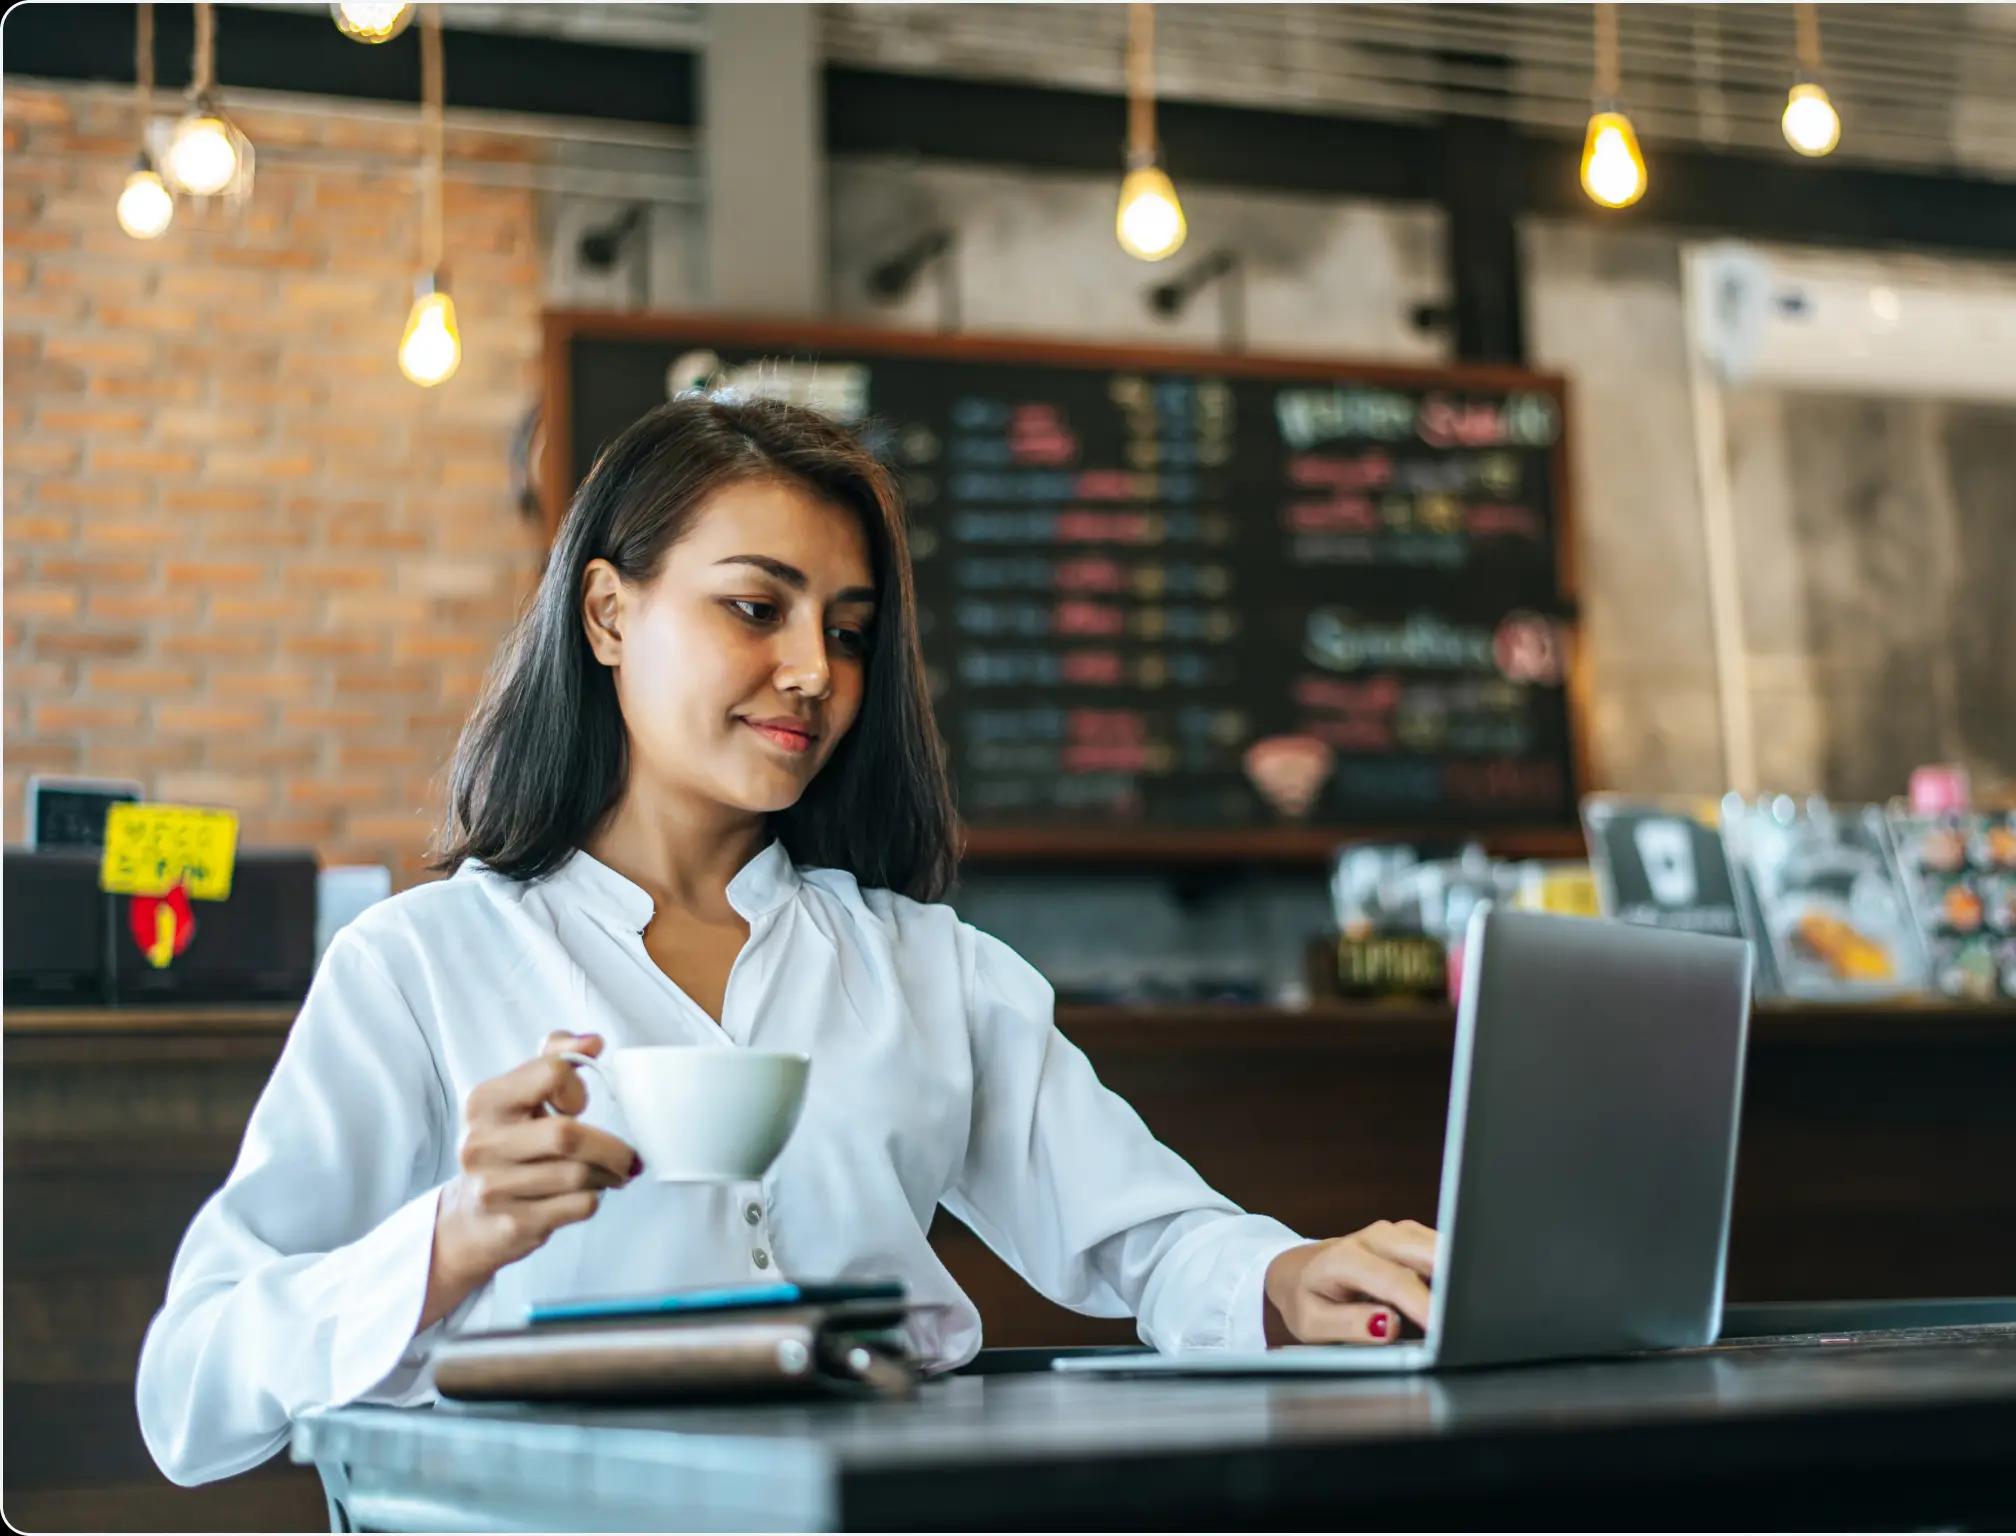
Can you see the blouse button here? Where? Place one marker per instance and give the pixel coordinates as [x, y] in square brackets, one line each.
[752, 1213]
[762, 1259]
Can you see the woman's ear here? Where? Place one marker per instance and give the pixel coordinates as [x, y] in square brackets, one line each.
[602, 611]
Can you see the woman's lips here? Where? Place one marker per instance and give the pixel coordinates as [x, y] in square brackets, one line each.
[790, 737]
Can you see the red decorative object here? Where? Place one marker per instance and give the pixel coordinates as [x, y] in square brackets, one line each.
[162, 925]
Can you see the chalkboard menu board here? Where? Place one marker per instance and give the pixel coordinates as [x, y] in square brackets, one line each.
[1197, 599]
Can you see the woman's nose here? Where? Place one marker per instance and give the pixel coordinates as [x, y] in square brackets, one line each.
[804, 667]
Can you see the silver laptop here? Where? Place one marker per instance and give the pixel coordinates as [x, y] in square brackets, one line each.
[1589, 1158]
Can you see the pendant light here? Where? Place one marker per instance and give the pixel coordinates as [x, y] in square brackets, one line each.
[1811, 124]
[1149, 222]
[1613, 169]
[431, 349]
[363, 21]
[207, 156]
[146, 207]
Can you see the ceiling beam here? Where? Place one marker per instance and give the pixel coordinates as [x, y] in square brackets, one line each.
[289, 51]
[1757, 196]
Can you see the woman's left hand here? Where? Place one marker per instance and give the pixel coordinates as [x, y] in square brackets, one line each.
[1352, 1290]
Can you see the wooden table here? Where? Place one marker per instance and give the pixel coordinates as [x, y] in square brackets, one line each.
[1875, 1153]
[1905, 1430]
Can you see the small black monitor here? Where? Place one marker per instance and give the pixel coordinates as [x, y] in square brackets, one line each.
[70, 813]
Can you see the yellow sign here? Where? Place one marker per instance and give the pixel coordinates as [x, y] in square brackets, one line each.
[151, 849]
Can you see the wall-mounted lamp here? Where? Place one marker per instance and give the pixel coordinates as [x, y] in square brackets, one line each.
[528, 451]
[1223, 267]
[889, 280]
[602, 248]
[1426, 317]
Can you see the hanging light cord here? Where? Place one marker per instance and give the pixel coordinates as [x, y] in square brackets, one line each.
[143, 61]
[432, 91]
[1806, 16]
[1608, 84]
[1140, 81]
[203, 66]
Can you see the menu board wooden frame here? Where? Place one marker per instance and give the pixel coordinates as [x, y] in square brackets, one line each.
[1283, 844]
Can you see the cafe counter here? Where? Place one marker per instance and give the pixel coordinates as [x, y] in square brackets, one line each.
[1874, 1156]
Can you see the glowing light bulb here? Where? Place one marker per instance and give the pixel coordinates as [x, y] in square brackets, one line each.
[1613, 171]
[431, 349]
[146, 206]
[368, 23]
[1149, 223]
[203, 155]
[1811, 124]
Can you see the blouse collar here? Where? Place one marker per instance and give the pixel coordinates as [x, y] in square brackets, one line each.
[762, 885]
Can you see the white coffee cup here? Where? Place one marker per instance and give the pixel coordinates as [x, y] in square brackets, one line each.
[700, 1114]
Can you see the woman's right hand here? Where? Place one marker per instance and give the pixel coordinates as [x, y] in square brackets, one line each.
[525, 1172]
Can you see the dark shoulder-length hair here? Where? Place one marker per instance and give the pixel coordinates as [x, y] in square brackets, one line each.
[542, 758]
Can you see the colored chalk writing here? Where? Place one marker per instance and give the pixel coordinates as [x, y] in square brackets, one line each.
[1160, 596]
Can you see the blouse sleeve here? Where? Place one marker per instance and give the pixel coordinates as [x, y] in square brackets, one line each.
[300, 1282]
[1064, 1181]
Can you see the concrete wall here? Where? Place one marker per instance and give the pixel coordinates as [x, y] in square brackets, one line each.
[1035, 253]
[1876, 538]
[1873, 536]
[1604, 307]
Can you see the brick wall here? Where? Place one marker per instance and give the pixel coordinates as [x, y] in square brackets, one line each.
[247, 562]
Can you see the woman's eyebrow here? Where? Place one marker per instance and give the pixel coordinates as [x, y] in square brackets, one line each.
[796, 579]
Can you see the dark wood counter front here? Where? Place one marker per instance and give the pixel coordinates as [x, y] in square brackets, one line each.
[1879, 1119]
[1875, 1158]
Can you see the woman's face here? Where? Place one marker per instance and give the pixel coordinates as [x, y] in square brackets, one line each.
[742, 663]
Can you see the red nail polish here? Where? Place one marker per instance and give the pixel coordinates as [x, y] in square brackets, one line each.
[1381, 1325]
[636, 1164]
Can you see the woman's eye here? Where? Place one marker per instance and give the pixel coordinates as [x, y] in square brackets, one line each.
[852, 642]
[754, 610]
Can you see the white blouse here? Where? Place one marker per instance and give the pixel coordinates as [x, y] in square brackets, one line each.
[937, 1078]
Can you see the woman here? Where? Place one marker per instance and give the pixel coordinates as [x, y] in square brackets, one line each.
[702, 802]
